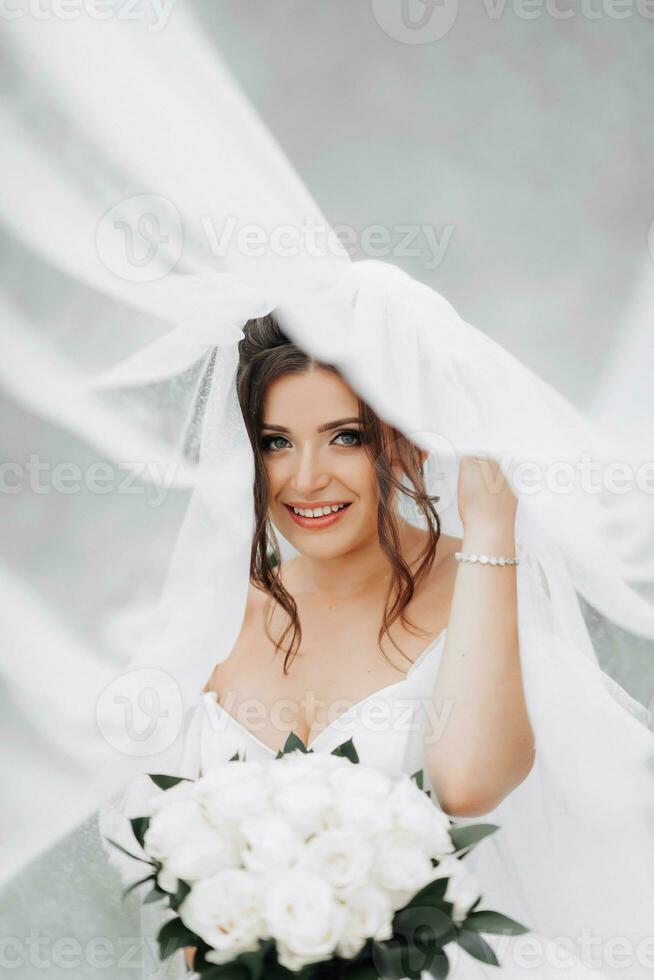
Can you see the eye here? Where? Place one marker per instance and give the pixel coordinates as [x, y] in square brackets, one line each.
[349, 435]
[267, 443]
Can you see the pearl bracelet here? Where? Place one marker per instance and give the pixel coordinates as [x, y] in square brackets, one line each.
[485, 559]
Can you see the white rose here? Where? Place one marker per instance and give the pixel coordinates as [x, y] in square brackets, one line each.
[187, 846]
[233, 791]
[225, 911]
[314, 762]
[161, 798]
[360, 798]
[341, 857]
[304, 765]
[167, 880]
[462, 889]
[413, 811]
[271, 843]
[282, 772]
[307, 804]
[304, 917]
[369, 916]
[401, 866]
[207, 851]
[360, 780]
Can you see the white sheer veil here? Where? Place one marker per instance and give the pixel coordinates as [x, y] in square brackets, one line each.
[573, 850]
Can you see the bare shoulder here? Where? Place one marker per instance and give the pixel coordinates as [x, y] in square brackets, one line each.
[443, 570]
[444, 560]
[433, 599]
[251, 628]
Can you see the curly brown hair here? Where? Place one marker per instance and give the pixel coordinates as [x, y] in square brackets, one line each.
[265, 354]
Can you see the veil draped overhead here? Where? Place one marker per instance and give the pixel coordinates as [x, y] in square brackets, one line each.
[158, 354]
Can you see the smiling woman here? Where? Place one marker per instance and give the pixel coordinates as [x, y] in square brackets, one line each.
[328, 476]
[318, 445]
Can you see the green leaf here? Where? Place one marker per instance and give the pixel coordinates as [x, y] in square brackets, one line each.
[135, 884]
[139, 827]
[292, 743]
[226, 971]
[128, 853]
[174, 935]
[359, 971]
[182, 891]
[432, 894]
[347, 750]
[254, 962]
[494, 922]
[476, 946]
[466, 837]
[439, 967]
[389, 958]
[425, 927]
[167, 782]
[155, 895]
[273, 969]
[200, 964]
[419, 778]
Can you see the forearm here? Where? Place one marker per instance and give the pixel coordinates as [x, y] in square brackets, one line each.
[486, 746]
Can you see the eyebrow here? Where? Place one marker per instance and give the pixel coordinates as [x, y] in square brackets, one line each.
[323, 428]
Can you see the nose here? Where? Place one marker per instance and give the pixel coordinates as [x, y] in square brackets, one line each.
[308, 475]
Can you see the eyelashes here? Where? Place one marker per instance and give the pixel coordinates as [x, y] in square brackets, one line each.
[267, 443]
[358, 436]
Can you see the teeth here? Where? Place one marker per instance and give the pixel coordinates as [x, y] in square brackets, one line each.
[318, 511]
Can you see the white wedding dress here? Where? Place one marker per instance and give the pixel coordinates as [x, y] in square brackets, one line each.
[389, 727]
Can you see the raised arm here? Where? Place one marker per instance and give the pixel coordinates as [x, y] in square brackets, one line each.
[486, 745]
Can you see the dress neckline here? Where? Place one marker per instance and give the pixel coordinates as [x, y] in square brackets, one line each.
[212, 698]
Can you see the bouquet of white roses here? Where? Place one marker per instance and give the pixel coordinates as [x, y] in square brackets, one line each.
[312, 865]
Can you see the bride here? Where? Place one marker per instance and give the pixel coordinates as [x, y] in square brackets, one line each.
[363, 577]
[373, 613]
[376, 622]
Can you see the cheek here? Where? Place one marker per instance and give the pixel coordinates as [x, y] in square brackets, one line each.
[273, 476]
[362, 479]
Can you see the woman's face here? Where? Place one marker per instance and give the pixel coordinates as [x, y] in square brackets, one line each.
[312, 445]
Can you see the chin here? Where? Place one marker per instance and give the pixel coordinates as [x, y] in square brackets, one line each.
[329, 547]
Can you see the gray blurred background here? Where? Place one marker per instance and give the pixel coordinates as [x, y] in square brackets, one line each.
[524, 143]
